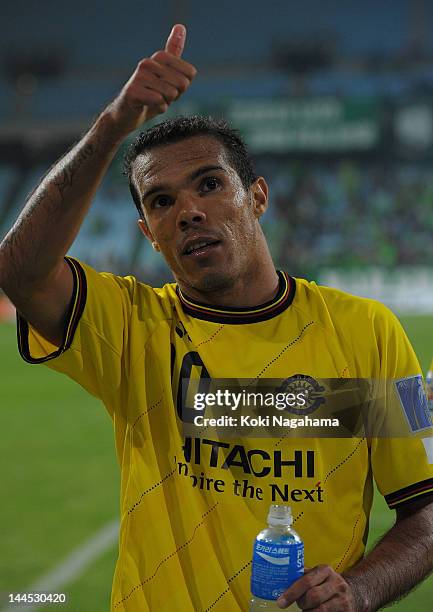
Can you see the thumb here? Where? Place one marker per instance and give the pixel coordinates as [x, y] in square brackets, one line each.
[176, 41]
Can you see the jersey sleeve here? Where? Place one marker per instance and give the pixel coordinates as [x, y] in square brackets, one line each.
[95, 346]
[402, 467]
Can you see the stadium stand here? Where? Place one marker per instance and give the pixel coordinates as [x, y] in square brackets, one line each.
[353, 209]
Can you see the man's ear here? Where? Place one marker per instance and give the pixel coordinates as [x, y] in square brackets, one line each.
[144, 228]
[259, 194]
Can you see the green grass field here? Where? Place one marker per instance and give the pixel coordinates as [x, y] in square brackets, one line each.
[60, 480]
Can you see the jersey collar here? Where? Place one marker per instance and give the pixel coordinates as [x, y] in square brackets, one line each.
[234, 316]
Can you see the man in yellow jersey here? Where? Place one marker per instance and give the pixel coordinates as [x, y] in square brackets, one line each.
[191, 505]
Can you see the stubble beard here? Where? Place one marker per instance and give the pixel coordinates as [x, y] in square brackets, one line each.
[214, 281]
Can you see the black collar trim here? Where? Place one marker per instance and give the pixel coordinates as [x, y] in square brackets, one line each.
[233, 316]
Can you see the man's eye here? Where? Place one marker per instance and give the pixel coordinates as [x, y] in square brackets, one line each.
[161, 201]
[210, 184]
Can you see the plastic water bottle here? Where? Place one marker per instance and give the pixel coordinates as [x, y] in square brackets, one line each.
[278, 560]
[429, 387]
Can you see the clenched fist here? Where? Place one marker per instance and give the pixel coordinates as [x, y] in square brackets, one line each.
[155, 84]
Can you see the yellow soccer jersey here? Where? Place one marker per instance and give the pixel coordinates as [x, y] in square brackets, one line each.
[191, 507]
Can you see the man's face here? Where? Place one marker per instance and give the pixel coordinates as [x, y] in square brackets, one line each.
[197, 211]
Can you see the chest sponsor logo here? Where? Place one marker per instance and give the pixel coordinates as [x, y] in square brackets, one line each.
[249, 465]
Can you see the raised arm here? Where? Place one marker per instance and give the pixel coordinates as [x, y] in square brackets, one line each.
[33, 272]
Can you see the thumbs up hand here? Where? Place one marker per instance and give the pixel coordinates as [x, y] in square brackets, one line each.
[155, 84]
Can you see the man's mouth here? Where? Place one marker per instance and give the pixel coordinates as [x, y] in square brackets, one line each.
[200, 247]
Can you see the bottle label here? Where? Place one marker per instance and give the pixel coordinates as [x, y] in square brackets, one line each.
[275, 568]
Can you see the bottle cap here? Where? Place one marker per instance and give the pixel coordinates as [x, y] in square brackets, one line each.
[280, 515]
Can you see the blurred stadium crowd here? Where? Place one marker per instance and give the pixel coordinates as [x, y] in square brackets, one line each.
[364, 199]
[349, 214]
[331, 214]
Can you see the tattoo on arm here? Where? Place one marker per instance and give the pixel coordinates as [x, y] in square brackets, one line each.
[66, 176]
[55, 209]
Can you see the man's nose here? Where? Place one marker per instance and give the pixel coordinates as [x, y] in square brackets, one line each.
[190, 211]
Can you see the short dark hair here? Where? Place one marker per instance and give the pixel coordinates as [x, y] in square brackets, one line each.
[180, 128]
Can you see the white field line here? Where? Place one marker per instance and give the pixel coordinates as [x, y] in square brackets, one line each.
[70, 568]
